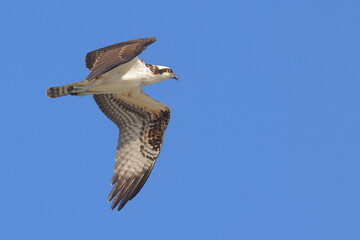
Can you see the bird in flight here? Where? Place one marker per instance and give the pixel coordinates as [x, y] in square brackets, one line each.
[115, 81]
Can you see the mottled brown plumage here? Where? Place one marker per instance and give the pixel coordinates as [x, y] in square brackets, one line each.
[142, 122]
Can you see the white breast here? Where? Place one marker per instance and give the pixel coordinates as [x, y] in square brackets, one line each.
[123, 78]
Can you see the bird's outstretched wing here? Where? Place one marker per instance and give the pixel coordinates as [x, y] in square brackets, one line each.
[142, 122]
[104, 59]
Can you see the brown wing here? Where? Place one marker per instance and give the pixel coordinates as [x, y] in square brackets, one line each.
[142, 122]
[104, 59]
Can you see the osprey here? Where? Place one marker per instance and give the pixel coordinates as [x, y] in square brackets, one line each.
[115, 81]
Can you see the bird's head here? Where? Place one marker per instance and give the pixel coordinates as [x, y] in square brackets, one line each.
[168, 73]
[162, 72]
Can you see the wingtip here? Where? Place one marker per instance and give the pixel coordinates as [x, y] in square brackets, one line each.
[150, 40]
[120, 207]
[122, 204]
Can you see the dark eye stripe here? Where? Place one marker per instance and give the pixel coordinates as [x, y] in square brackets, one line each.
[157, 70]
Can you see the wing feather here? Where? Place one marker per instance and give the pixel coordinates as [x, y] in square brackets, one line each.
[119, 196]
[105, 59]
[142, 122]
[129, 192]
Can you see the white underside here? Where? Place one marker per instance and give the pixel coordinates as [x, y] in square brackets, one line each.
[123, 78]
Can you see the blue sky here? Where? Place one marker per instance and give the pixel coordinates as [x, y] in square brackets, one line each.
[264, 139]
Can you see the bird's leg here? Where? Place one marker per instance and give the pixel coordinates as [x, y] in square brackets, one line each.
[79, 90]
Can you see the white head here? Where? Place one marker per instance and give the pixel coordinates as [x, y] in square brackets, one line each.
[162, 72]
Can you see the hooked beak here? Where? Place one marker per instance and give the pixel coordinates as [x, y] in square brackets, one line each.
[174, 76]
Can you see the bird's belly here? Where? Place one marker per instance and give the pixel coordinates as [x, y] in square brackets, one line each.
[115, 83]
[123, 78]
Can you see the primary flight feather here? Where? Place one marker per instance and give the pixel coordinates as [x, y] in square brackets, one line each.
[115, 81]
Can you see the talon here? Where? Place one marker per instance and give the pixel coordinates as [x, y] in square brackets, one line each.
[77, 90]
[70, 90]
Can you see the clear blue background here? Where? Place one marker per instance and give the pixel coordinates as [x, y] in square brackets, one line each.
[264, 140]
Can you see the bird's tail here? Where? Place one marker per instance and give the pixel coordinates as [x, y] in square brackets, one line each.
[60, 91]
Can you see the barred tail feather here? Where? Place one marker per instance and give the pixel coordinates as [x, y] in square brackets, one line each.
[60, 91]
